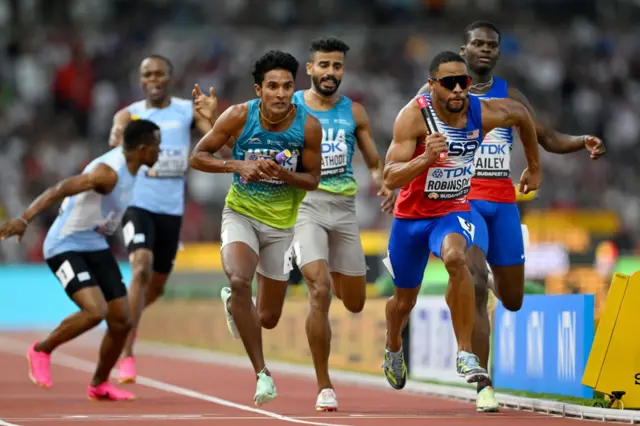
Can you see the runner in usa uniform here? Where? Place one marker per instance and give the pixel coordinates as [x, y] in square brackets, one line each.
[77, 252]
[327, 242]
[262, 204]
[432, 214]
[493, 198]
[151, 226]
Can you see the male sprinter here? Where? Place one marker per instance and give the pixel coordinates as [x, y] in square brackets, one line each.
[262, 204]
[432, 214]
[492, 194]
[78, 254]
[327, 242]
[151, 226]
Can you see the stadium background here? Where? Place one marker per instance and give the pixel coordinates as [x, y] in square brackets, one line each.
[67, 66]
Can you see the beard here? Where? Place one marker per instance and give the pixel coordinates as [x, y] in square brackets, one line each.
[454, 108]
[317, 84]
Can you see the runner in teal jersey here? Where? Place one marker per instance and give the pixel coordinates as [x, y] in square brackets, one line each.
[327, 242]
[262, 204]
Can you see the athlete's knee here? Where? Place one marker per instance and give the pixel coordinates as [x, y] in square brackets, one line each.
[319, 293]
[95, 311]
[454, 259]
[156, 287]
[510, 284]
[118, 317]
[356, 293]
[240, 286]
[268, 319]
[95, 316]
[405, 301]
[512, 304]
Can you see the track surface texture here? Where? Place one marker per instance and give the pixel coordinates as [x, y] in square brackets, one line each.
[187, 391]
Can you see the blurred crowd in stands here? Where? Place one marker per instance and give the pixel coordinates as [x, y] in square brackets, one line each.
[67, 66]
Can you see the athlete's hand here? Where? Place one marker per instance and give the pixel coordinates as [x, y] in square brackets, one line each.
[249, 172]
[530, 180]
[14, 227]
[205, 105]
[389, 199]
[435, 144]
[269, 169]
[595, 146]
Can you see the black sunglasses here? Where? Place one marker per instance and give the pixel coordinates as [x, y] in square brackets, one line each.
[451, 81]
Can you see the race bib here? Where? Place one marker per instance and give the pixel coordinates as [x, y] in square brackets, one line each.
[291, 164]
[172, 163]
[448, 183]
[334, 158]
[493, 159]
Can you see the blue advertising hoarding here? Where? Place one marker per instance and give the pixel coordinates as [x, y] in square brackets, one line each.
[31, 297]
[544, 346]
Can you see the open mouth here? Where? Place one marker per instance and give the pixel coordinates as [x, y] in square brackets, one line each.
[155, 90]
[329, 84]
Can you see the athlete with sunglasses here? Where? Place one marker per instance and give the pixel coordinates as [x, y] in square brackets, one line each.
[493, 198]
[432, 214]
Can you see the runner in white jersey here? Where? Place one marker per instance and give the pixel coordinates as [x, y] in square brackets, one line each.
[327, 242]
[151, 226]
[77, 252]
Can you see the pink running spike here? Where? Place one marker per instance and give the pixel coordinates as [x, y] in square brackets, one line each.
[127, 373]
[107, 391]
[39, 367]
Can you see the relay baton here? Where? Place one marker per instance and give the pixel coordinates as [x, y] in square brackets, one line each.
[428, 118]
[280, 158]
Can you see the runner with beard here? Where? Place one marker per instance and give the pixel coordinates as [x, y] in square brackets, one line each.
[492, 196]
[327, 242]
[432, 215]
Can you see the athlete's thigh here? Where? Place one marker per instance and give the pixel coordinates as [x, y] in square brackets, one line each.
[408, 251]
[275, 252]
[506, 245]
[72, 271]
[452, 223]
[138, 229]
[346, 255]
[310, 240]
[481, 234]
[107, 273]
[166, 243]
[239, 245]
[274, 266]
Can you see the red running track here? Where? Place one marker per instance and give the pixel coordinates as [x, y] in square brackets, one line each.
[176, 391]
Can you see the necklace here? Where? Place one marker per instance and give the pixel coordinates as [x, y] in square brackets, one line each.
[482, 86]
[274, 122]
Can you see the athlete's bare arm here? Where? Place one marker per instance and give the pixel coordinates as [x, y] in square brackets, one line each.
[509, 113]
[120, 121]
[101, 179]
[365, 143]
[371, 156]
[400, 169]
[556, 142]
[311, 158]
[228, 126]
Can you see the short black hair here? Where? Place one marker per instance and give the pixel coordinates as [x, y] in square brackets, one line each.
[444, 58]
[329, 44]
[162, 58]
[138, 132]
[274, 60]
[479, 24]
